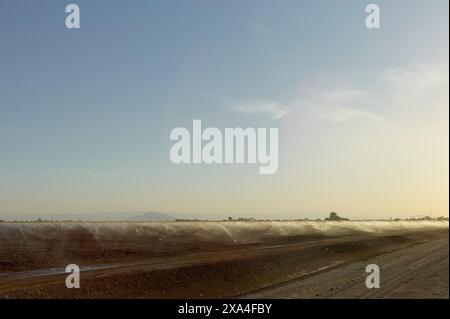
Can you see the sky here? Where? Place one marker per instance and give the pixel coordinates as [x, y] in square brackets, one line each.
[86, 114]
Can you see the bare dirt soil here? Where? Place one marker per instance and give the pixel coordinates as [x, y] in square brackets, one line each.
[218, 260]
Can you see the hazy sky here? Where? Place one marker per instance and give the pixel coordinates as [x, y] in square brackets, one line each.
[85, 115]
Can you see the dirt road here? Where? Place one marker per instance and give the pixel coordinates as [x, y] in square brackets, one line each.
[420, 271]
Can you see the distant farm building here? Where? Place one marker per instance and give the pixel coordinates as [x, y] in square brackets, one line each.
[334, 217]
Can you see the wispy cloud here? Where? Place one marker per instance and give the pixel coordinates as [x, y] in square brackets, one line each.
[272, 110]
[409, 86]
[336, 102]
[335, 105]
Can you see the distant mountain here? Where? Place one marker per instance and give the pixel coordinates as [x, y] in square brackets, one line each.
[150, 216]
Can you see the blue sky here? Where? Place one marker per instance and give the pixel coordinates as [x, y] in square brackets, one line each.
[85, 115]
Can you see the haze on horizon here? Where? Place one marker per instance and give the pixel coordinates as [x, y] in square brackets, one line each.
[85, 115]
